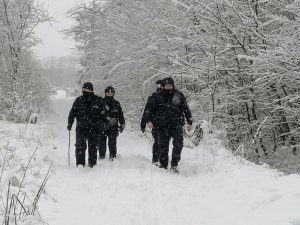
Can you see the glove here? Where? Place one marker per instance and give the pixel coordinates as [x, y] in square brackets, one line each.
[69, 127]
[122, 128]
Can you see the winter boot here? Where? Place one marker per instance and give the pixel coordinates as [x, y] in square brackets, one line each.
[174, 169]
[163, 167]
[156, 164]
[112, 158]
[90, 165]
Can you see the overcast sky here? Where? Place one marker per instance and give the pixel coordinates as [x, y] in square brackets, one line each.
[54, 43]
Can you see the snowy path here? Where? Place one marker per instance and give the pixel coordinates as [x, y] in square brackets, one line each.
[213, 188]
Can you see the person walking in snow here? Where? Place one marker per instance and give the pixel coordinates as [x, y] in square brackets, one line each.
[145, 119]
[88, 110]
[114, 121]
[167, 112]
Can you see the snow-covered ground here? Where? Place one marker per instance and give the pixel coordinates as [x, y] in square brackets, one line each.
[213, 187]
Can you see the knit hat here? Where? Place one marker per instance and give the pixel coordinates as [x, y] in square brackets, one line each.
[168, 80]
[109, 88]
[88, 85]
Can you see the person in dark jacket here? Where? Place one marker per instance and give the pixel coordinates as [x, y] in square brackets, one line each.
[88, 110]
[145, 119]
[113, 118]
[167, 112]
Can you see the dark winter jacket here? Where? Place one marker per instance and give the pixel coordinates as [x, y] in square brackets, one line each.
[113, 113]
[146, 115]
[88, 110]
[168, 107]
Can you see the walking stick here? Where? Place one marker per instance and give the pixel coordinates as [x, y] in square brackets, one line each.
[69, 149]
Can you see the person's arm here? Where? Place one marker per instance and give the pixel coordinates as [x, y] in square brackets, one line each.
[151, 109]
[72, 114]
[186, 111]
[121, 118]
[121, 114]
[146, 116]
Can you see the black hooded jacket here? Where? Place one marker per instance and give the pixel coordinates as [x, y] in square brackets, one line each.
[113, 112]
[88, 110]
[167, 108]
[147, 116]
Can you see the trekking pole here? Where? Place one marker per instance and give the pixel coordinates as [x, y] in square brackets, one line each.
[69, 148]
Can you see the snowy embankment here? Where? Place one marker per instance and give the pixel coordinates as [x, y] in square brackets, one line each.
[24, 169]
[213, 187]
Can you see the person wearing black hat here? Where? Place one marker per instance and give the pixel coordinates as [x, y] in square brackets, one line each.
[113, 118]
[88, 111]
[167, 113]
[145, 119]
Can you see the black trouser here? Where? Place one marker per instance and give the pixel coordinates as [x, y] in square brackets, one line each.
[83, 136]
[165, 133]
[111, 134]
[155, 148]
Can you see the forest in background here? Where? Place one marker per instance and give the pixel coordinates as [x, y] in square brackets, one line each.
[236, 61]
[60, 72]
[23, 88]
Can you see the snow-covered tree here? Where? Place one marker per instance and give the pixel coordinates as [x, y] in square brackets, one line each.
[22, 89]
[237, 61]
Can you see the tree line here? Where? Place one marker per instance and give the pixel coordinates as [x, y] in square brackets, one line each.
[236, 60]
[23, 89]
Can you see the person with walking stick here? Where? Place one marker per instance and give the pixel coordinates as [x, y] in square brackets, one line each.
[88, 111]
